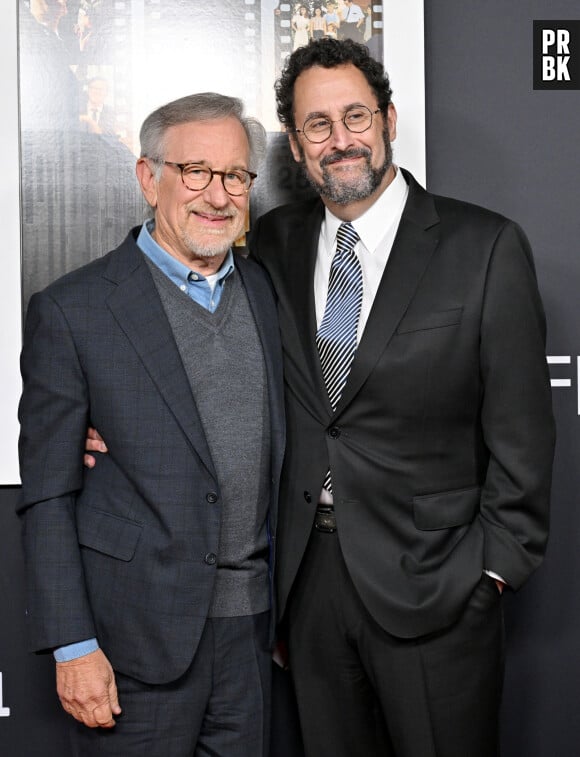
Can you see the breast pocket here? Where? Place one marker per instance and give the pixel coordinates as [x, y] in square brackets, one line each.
[437, 319]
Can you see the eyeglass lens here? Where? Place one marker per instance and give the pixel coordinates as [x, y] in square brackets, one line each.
[356, 120]
[198, 177]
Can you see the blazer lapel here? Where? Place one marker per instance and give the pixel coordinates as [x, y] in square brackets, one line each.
[137, 308]
[299, 281]
[414, 244]
[267, 325]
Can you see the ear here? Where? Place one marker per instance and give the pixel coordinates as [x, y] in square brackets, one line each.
[147, 181]
[392, 122]
[295, 147]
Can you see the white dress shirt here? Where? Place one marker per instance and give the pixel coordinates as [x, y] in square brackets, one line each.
[376, 228]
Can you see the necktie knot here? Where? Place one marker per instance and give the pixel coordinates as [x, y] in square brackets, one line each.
[346, 237]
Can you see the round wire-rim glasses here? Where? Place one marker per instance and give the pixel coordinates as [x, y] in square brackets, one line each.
[357, 119]
[196, 177]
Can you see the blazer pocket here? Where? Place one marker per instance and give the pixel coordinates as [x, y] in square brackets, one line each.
[424, 321]
[446, 509]
[110, 534]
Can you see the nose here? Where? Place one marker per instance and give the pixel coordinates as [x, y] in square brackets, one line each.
[341, 137]
[215, 193]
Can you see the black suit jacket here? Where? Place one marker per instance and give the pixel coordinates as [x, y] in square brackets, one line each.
[441, 446]
[124, 551]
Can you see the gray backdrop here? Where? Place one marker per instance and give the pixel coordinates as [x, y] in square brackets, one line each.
[495, 141]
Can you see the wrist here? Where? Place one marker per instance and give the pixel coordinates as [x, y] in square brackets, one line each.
[70, 652]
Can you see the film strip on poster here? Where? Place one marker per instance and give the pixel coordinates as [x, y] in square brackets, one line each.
[91, 70]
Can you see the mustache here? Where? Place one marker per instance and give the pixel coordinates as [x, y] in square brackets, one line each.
[212, 212]
[353, 152]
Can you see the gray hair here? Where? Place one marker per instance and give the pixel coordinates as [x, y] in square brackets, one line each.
[203, 106]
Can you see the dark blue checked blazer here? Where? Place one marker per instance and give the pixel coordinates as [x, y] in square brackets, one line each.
[123, 552]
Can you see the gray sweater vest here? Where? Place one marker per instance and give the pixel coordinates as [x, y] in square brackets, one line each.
[222, 356]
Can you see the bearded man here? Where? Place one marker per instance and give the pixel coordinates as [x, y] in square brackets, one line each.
[420, 434]
[150, 574]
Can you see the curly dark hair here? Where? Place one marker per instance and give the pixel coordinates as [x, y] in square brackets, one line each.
[329, 53]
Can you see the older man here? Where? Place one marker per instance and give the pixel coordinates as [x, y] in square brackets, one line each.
[149, 576]
[420, 434]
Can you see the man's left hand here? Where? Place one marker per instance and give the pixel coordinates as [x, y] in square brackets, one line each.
[87, 690]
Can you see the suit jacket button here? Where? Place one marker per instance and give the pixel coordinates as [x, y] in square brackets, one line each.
[307, 497]
[211, 497]
[334, 432]
[210, 558]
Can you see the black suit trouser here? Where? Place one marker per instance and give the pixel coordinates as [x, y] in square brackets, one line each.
[364, 693]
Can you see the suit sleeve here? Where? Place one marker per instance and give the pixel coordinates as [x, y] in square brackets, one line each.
[516, 412]
[54, 412]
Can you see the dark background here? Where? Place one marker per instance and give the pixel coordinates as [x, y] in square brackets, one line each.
[495, 141]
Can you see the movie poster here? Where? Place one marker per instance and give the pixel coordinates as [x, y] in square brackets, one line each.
[91, 70]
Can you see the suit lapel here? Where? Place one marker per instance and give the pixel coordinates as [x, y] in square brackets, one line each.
[267, 325]
[299, 282]
[413, 247]
[137, 308]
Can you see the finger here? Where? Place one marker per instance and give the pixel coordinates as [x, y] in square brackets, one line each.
[114, 700]
[89, 461]
[92, 433]
[103, 717]
[87, 719]
[78, 715]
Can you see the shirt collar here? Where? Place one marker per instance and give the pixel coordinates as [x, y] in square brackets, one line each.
[175, 270]
[371, 225]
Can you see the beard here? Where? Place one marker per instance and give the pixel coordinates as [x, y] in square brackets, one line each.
[341, 190]
[209, 248]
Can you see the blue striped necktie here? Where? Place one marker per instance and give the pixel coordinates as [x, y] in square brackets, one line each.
[337, 335]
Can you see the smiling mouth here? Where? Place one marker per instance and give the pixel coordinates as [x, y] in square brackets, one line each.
[345, 162]
[212, 218]
[349, 157]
